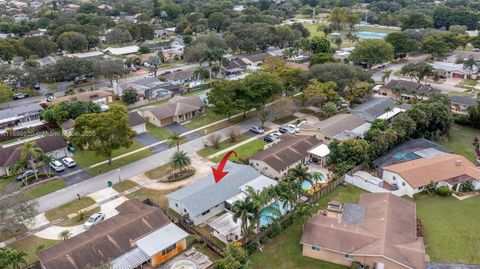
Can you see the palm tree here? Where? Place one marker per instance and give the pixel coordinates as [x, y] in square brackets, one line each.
[386, 74]
[245, 211]
[209, 57]
[16, 258]
[304, 211]
[175, 138]
[46, 159]
[29, 152]
[180, 161]
[261, 199]
[299, 172]
[65, 234]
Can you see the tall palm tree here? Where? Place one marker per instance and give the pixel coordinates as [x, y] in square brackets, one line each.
[16, 258]
[304, 211]
[180, 161]
[386, 74]
[244, 210]
[261, 199]
[175, 138]
[299, 172]
[29, 152]
[209, 57]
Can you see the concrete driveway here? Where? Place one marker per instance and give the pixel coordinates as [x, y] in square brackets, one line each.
[177, 128]
[147, 139]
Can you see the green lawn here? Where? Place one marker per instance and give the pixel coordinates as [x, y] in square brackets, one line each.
[204, 119]
[76, 220]
[30, 246]
[244, 151]
[6, 234]
[226, 124]
[97, 170]
[460, 140]
[158, 132]
[5, 182]
[157, 196]
[159, 172]
[285, 120]
[124, 185]
[45, 188]
[69, 208]
[205, 152]
[87, 158]
[285, 251]
[451, 228]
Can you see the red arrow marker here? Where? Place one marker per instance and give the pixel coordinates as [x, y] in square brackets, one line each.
[218, 172]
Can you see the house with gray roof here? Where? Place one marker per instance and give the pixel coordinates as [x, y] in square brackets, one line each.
[340, 127]
[147, 88]
[204, 199]
[20, 117]
[178, 109]
[460, 104]
[376, 106]
[406, 89]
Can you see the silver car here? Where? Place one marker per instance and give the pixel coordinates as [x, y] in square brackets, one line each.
[69, 162]
[57, 166]
[94, 219]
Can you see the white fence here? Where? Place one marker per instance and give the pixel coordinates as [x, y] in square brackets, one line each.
[370, 187]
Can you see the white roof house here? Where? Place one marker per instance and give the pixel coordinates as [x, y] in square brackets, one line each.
[320, 151]
[122, 50]
[160, 239]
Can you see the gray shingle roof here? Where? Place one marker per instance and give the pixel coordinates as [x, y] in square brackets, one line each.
[462, 100]
[14, 111]
[204, 193]
[374, 107]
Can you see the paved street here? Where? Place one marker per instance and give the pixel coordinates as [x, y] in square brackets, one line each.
[96, 183]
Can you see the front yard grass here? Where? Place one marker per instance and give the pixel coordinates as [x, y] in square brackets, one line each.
[102, 168]
[285, 120]
[159, 172]
[30, 245]
[227, 123]
[460, 140]
[87, 158]
[285, 251]
[205, 152]
[157, 196]
[5, 182]
[451, 228]
[69, 208]
[124, 185]
[76, 220]
[45, 188]
[245, 151]
[158, 132]
[204, 119]
[6, 234]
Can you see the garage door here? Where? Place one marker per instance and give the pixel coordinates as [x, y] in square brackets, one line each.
[166, 121]
[58, 154]
[139, 129]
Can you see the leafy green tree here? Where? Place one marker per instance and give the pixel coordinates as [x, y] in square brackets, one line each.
[304, 211]
[129, 96]
[342, 74]
[223, 97]
[474, 114]
[29, 152]
[419, 71]
[111, 69]
[104, 132]
[59, 113]
[143, 50]
[7, 50]
[320, 45]
[218, 21]
[318, 93]
[402, 43]
[372, 51]
[321, 58]
[338, 18]
[6, 93]
[435, 46]
[417, 21]
[38, 45]
[72, 42]
[235, 258]
[357, 91]
[330, 108]
[244, 210]
[291, 79]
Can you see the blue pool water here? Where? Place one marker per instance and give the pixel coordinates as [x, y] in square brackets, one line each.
[306, 185]
[371, 35]
[271, 212]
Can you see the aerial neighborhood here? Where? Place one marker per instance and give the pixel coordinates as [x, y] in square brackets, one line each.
[267, 134]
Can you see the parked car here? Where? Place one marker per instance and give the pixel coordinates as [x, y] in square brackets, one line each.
[166, 73]
[270, 138]
[36, 86]
[147, 64]
[57, 166]
[294, 128]
[18, 96]
[69, 162]
[79, 80]
[133, 68]
[26, 174]
[256, 130]
[150, 75]
[276, 134]
[94, 219]
[286, 129]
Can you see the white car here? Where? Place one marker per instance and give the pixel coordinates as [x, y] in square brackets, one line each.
[276, 134]
[294, 128]
[69, 162]
[57, 166]
[150, 75]
[93, 220]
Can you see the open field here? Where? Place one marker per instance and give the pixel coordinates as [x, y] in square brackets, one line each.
[460, 140]
[244, 151]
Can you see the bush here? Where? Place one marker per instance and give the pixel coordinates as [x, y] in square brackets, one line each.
[263, 240]
[252, 247]
[444, 191]
[467, 187]
[287, 222]
[276, 230]
[182, 175]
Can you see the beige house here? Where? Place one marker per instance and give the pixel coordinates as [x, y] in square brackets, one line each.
[275, 161]
[340, 127]
[67, 127]
[99, 97]
[178, 109]
[379, 232]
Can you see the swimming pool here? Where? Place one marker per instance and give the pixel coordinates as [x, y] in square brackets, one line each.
[371, 35]
[271, 212]
[317, 177]
[306, 185]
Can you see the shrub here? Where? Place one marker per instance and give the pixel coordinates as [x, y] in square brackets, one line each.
[467, 187]
[263, 240]
[444, 191]
[276, 230]
[252, 247]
